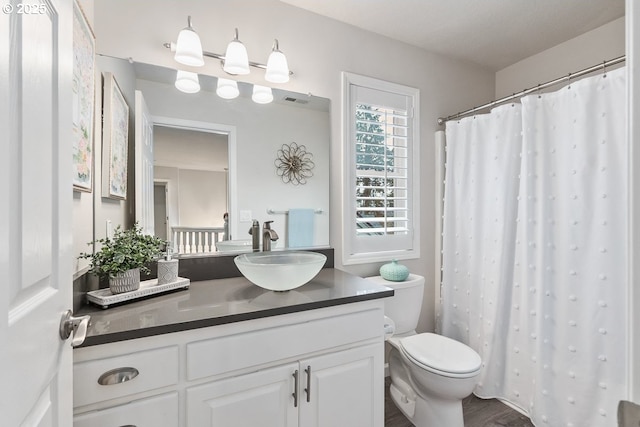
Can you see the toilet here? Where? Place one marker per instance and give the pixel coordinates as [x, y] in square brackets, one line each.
[430, 373]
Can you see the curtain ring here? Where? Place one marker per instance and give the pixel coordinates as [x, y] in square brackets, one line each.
[538, 91]
[604, 69]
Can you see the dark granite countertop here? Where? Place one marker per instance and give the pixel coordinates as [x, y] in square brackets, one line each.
[216, 302]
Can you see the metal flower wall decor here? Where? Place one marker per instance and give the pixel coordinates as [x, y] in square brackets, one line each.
[294, 164]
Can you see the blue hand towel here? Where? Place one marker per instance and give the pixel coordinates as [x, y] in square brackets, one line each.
[300, 230]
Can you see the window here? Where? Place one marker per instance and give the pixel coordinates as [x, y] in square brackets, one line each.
[381, 216]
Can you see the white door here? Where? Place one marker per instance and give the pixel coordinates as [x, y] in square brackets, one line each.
[343, 389]
[144, 166]
[264, 398]
[35, 212]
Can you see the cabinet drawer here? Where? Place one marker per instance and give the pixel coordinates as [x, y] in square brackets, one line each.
[228, 353]
[159, 411]
[124, 375]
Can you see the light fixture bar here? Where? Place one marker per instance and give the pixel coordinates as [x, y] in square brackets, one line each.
[172, 47]
[221, 58]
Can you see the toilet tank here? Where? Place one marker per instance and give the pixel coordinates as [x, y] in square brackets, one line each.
[406, 303]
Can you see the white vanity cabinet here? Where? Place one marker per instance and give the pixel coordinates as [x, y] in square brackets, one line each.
[341, 384]
[315, 368]
[346, 382]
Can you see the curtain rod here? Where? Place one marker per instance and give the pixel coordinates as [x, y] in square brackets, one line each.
[569, 76]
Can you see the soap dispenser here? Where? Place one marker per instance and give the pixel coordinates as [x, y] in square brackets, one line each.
[167, 268]
[255, 235]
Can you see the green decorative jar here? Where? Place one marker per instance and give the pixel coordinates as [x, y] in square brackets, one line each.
[394, 272]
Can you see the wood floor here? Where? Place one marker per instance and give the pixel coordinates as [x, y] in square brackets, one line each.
[477, 413]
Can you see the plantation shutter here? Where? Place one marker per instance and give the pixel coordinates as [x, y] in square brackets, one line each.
[382, 179]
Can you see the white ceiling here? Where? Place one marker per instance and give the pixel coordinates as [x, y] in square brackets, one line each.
[492, 33]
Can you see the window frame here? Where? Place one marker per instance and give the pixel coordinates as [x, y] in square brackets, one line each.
[351, 254]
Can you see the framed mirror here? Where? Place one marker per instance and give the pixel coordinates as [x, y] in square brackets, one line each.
[215, 156]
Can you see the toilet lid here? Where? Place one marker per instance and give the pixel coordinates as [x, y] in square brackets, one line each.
[437, 352]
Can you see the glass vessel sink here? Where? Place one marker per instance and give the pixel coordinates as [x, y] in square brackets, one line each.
[280, 271]
[238, 245]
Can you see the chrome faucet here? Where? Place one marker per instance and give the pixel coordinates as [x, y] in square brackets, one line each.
[268, 236]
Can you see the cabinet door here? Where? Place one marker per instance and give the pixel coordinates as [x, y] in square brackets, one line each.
[347, 389]
[159, 411]
[263, 398]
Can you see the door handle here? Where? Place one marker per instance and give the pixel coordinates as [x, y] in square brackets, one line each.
[76, 325]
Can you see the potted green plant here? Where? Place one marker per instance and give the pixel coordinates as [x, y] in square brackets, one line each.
[121, 257]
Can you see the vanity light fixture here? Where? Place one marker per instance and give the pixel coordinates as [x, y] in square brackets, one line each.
[236, 59]
[187, 82]
[188, 51]
[262, 94]
[277, 66]
[227, 89]
[188, 47]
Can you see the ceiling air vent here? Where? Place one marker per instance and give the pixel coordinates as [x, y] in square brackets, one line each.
[296, 100]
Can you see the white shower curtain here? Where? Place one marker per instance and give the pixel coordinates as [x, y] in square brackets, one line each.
[534, 250]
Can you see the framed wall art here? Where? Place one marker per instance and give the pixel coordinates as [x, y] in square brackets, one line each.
[83, 101]
[115, 141]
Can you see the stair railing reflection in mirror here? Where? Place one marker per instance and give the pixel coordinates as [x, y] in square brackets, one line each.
[195, 240]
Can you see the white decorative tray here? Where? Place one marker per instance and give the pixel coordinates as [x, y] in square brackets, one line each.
[104, 298]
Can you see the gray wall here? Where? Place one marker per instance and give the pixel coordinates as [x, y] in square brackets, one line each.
[604, 43]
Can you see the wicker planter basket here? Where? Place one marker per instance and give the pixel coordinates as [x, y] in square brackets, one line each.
[125, 282]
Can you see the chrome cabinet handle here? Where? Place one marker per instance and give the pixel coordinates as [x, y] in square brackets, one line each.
[77, 325]
[118, 376]
[295, 389]
[308, 389]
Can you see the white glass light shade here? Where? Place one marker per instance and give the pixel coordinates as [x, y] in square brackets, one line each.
[227, 89]
[236, 60]
[187, 82]
[189, 48]
[277, 68]
[262, 94]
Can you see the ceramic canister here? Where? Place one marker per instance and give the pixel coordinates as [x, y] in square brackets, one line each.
[167, 271]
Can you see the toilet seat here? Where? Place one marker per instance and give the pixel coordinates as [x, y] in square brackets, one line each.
[441, 355]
